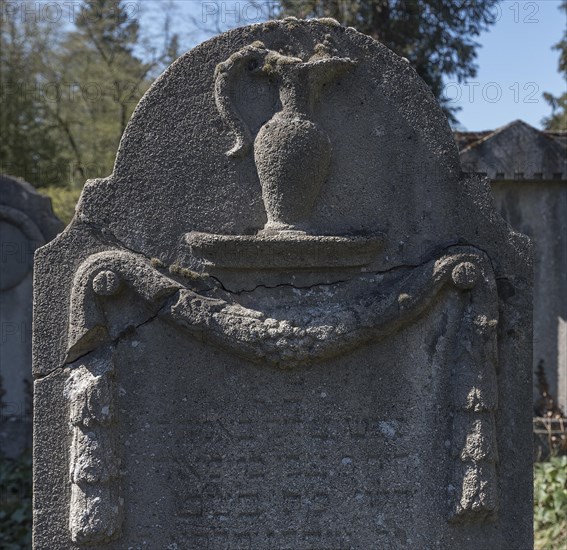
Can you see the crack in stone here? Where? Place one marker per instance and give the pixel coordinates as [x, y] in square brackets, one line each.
[116, 341]
[107, 237]
[110, 238]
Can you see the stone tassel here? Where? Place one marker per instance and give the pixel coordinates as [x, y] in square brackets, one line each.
[473, 487]
[95, 513]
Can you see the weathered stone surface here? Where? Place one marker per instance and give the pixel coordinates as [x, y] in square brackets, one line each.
[26, 222]
[246, 354]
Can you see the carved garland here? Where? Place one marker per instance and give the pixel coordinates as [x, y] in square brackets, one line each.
[95, 506]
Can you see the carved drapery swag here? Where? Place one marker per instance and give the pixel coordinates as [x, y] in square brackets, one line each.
[384, 309]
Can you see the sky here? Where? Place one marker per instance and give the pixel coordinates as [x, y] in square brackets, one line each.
[516, 62]
[516, 65]
[515, 58]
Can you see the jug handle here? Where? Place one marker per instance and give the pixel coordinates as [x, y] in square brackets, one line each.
[249, 58]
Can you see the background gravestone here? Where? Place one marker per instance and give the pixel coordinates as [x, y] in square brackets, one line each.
[287, 319]
[26, 222]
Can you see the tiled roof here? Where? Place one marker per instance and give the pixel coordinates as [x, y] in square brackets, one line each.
[516, 151]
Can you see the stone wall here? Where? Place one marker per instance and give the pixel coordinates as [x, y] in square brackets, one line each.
[528, 170]
[539, 209]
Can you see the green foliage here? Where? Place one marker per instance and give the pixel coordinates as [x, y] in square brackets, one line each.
[100, 81]
[558, 118]
[63, 200]
[436, 36]
[67, 91]
[15, 502]
[109, 27]
[29, 144]
[550, 504]
[557, 121]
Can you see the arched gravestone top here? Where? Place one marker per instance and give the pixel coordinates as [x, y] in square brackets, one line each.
[289, 296]
[26, 223]
[20, 195]
[394, 165]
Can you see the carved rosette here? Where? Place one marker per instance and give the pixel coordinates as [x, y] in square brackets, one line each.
[95, 507]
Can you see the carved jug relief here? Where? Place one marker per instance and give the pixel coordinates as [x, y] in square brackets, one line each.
[291, 151]
[292, 154]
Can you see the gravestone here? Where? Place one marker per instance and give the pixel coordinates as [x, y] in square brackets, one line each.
[287, 320]
[26, 222]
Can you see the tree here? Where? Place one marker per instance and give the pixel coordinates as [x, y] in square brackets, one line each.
[29, 146]
[558, 118]
[68, 93]
[100, 69]
[98, 81]
[436, 36]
